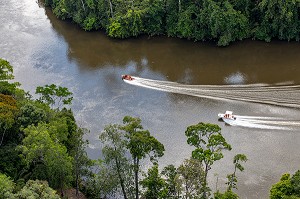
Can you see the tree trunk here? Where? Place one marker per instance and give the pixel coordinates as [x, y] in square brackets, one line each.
[77, 184]
[136, 174]
[205, 181]
[83, 5]
[120, 178]
[111, 8]
[232, 178]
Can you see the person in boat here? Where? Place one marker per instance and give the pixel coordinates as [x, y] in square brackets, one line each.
[127, 77]
[226, 115]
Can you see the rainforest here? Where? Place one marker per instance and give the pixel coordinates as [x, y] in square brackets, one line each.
[220, 21]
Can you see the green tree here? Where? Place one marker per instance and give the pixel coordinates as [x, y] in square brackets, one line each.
[36, 189]
[224, 23]
[103, 183]
[153, 18]
[227, 195]
[232, 179]
[209, 143]
[53, 95]
[32, 113]
[295, 181]
[6, 70]
[278, 19]
[7, 187]
[6, 74]
[191, 178]
[39, 149]
[154, 184]
[172, 8]
[8, 112]
[126, 25]
[114, 152]
[170, 174]
[81, 163]
[282, 188]
[10, 163]
[140, 143]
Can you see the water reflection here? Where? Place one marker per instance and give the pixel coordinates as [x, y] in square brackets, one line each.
[236, 78]
[258, 61]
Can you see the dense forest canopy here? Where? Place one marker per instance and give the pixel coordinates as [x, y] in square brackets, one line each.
[222, 21]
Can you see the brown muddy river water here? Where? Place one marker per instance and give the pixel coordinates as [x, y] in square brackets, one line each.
[45, 50]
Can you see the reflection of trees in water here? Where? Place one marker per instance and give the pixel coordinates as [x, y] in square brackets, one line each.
[181, 60]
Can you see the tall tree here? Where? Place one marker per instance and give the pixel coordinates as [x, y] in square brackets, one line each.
[140, 143]
[232, 180]
[8, 111]
[81, 162]
[114, 152]
[209, 143]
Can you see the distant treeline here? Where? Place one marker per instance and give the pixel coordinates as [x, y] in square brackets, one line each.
[222, 21]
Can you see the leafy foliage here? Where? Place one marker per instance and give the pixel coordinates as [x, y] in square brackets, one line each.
[209, 143]
[287, 187]
[154, 184]
[295, 181]
[103, 183]
[6, 74]
[8, 112]
[282, 188]
[114, 152]
[140, 143]
[227, 195]
[221, 21]
[53, 95]
[191, 177]
[279, 19]
[32, 113]
[6, 70]
[39, 148]
[170, 174]
[36, 189]
[7, 187]
[232, 180]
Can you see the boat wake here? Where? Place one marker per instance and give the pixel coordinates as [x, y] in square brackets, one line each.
[281, 95]
[264, 122]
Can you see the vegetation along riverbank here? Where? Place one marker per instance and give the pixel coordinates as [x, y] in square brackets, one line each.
[201, 20]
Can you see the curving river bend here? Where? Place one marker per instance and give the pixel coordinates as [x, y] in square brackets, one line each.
[44, 50]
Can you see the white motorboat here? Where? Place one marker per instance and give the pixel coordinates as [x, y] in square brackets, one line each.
[227, 116]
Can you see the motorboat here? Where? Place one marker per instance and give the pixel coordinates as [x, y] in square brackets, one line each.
[227, 116]
[127, 77]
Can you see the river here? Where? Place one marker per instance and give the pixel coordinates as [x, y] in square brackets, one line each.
[44, 50]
